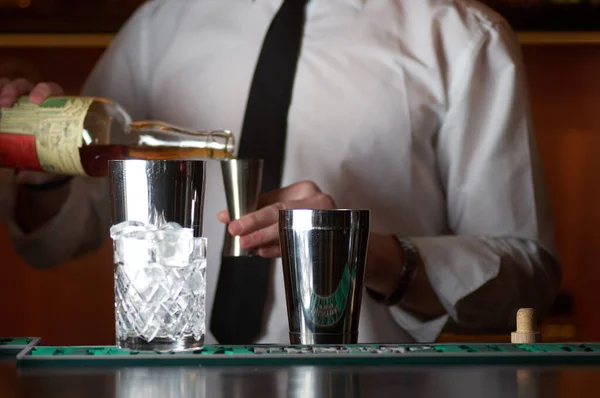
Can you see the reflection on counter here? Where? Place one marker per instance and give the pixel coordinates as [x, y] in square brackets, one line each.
[310, 381]
[160, 383]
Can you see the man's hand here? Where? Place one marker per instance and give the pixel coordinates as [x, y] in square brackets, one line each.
[33, 208]
[259, 230]
[10, 91]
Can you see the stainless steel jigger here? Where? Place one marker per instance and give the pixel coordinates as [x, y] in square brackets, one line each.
[323, 255]
[152, 191]
[242, 179]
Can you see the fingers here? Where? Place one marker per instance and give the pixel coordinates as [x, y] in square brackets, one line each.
[262, 238]
[10, 91]
[261, 228]
[13, 90]
[297, 191]
[223, 216]
[43, 91]
[271, 251]
[256, 220]
[270, 214]
[3, 82]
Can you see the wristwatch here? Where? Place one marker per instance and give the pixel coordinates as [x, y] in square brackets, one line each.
[411, 259]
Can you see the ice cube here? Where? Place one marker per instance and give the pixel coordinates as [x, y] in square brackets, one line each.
[171, 226]
[150, 284]
[133, 254]
[199, 251]
[157, 220]
[172, 232]
[175, 280]
[125, 228]
[182, 302]
[174, 247]
[196, 282]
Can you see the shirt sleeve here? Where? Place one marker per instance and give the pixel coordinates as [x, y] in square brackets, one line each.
[82, 223]
[79, 227]
[500, 255]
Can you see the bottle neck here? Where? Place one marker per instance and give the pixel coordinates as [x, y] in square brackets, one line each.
[161, 134]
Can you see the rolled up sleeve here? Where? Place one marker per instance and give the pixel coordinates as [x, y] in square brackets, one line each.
[79, 227]
[500, 256]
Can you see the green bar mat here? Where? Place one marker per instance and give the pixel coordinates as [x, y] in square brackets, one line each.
[356, 354]
[11, 346]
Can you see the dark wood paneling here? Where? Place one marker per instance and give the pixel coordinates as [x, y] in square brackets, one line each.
[566, 106]
[71, 304]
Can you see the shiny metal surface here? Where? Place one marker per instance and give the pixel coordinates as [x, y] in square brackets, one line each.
[153, 190]
[243, 180]
[323, 255]
[303, 382]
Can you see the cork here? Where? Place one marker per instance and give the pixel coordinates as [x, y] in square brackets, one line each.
[526, 328]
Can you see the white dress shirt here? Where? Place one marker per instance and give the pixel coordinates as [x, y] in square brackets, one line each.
[416, 110]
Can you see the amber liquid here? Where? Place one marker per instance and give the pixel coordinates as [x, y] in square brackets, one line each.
[94, 158]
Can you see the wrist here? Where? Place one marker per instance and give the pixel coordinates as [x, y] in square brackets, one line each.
[399, 282]
[384, 263]
[36, 204]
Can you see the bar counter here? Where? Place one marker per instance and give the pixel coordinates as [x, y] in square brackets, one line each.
[461, 370]
[301, 381]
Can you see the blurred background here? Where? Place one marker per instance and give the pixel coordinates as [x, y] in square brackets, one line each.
[60, 40]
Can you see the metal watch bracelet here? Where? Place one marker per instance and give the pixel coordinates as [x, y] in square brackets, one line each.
[410, 263]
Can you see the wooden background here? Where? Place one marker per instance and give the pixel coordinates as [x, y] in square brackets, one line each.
[73, 304]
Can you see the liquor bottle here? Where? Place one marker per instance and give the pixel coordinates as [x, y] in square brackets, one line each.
[79, 135]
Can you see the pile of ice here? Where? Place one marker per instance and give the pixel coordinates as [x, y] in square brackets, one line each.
[159, 280]
[168, 244]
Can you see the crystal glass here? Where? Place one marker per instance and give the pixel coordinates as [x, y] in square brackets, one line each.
[160, 286]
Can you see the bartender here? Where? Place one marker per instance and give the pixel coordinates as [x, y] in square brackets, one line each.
[416, 110]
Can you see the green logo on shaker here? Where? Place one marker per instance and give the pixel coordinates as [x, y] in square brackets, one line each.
[327, 311]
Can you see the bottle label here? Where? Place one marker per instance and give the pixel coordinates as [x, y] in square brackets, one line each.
[56, 124]
[18, 150]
